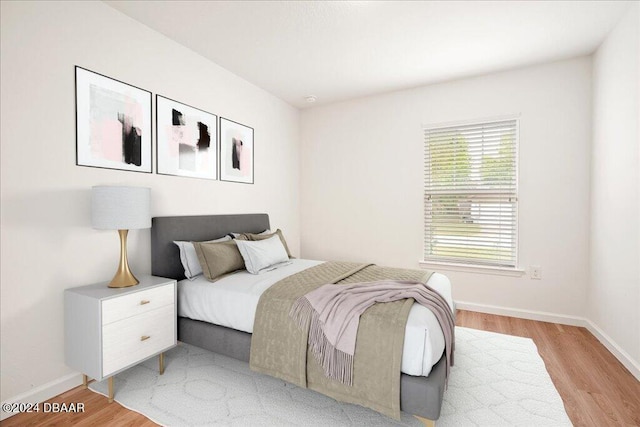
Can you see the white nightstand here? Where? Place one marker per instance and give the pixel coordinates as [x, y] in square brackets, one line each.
[108, 330]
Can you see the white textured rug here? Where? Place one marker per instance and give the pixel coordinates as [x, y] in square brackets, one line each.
[498, 380]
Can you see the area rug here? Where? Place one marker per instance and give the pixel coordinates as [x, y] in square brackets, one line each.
[498, 380]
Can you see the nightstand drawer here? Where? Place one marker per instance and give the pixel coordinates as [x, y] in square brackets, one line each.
[135, 338]
[119, 308]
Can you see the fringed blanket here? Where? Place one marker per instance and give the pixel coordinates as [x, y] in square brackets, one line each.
[334, 314]
[279, 347]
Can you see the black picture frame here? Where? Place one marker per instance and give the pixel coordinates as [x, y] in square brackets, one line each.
[113, 123]
[237, 152]
[186, 140]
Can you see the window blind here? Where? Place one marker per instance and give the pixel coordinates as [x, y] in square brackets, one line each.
[470, 193]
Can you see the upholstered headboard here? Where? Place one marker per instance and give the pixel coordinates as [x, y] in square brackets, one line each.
[165, 256]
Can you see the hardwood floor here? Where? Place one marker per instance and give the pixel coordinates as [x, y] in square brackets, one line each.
[596, 389]
[98, 412]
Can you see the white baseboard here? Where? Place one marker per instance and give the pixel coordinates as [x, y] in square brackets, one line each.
[43, 392]
[541, 316]
[624, 357]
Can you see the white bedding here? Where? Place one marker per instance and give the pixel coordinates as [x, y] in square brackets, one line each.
[232, 302]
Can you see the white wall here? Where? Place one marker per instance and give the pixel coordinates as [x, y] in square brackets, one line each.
[614, 291]
[362, 179]
[47, 241]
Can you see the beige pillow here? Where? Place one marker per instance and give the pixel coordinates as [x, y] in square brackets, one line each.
[218, 259]
[189, 258]
[278, 232]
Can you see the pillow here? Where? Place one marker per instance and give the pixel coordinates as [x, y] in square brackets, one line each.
[262, 254]
[218, 259]
[236, 235]
[189, 258]
[261, 236]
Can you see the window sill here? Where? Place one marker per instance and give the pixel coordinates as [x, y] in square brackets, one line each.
[498, 271]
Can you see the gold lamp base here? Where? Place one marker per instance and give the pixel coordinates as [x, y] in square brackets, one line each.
[123, 277]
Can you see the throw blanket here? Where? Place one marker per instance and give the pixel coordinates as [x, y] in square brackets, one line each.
[335, 312]
[279, 347]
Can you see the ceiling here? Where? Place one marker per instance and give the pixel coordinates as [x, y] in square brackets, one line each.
[337, 50]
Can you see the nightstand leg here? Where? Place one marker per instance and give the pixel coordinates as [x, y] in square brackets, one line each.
[426, 422]
[110, 389]
[85, 381]
[161, 363]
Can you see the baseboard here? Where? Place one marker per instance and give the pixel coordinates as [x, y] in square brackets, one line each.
[540, 316]
[622, 356]
[43, 392]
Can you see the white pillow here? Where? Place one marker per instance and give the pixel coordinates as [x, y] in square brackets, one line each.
[189, 257]
[262, 254]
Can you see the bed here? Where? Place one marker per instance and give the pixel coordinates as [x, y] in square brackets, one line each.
[419, 395]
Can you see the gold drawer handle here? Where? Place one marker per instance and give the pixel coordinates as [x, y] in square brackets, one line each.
[144, 301]
[144, 337]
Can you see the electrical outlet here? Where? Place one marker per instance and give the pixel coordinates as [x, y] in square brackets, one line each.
[535, 271]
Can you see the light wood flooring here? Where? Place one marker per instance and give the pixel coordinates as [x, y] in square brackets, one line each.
[596, 389]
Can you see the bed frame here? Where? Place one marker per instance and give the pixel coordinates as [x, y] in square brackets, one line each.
[421, 396]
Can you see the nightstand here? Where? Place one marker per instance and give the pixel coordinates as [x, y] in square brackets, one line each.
[108, 330]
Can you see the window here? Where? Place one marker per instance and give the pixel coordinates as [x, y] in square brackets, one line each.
[471, 194]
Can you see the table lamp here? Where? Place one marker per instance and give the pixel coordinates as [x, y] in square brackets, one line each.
[122, 209]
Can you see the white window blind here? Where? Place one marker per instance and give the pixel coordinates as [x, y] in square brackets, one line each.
[471, 193]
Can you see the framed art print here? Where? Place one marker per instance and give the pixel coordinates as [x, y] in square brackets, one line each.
[113, 123]
[186, 140]
[236, 152]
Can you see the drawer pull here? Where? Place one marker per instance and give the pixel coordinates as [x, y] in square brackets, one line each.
[144, 301]
[144, 337]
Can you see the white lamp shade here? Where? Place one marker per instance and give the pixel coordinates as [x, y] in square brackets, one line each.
[120, 208]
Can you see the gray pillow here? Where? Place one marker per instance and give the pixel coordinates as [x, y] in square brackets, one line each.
[189, 258]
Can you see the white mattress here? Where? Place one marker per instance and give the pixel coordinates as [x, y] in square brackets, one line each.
[232, 302]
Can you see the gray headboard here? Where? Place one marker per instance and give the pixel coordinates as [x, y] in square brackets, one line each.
[165, 256]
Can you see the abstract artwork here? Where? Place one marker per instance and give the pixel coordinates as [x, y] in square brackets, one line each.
[187, 137]
[236, 152]
[113, 123]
